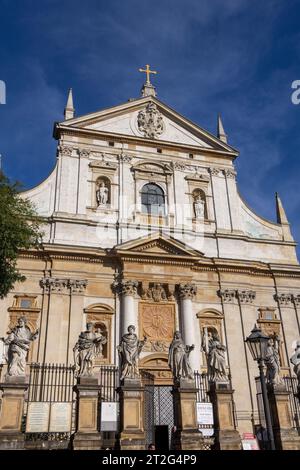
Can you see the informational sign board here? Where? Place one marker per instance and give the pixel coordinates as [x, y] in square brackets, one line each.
[38, 415]
[205, 418]
[249, 442]
[109, 416]
[60, 417]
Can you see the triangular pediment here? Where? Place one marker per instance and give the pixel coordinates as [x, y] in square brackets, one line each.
[124, 120]
[158, 245]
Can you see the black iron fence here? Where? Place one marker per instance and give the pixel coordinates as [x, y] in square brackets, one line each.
[291, 384]
[201, 381]
[109, 379]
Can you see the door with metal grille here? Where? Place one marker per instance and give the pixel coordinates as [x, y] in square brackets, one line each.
[159, 411]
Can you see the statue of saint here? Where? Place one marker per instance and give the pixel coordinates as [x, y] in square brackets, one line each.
[18, 342]
[179, 358]
[102, 194]
[199, 206]
[272, 362]
[129, 350]
[88, 347]
[215, 356]
[295, 360]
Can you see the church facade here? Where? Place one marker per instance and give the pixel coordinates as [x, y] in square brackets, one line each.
[144, 226]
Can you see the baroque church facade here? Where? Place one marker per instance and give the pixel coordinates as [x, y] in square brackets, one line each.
[144, 226]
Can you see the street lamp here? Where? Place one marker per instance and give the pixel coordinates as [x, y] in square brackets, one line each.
[257, 343]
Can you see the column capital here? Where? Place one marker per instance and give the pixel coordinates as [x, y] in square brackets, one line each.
[284, 299]
[187, 291]
[77, 286]
[51, 284]
[126, 287]
[296, 299]
[227, 295]
[215, 171]
[246, 296]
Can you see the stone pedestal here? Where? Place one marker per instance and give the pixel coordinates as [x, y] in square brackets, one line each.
[226, 436]
[88, 435]
[285, 437]
[187, 436]
[12, 411]
[132, 435]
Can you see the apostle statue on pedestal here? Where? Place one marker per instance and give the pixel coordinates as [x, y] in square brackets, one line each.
[215, 356]
[179, 358]
[129, 350]
[88, 347]
[18, 342]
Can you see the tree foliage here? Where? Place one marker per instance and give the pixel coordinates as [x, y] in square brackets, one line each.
[19, 229]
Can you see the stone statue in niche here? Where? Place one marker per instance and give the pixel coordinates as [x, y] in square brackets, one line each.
[102, 194]
[199, 207]
[215, 356]
[272, 361]
[129, 350]
[18, 342]
[295, 360]
[88, 347]
[179, 358]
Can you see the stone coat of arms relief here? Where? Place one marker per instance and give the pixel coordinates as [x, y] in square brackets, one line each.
[150, 121]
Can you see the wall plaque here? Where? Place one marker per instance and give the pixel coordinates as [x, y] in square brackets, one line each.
[60, 417]
[38, 417]
[157, 322]
[109, 416]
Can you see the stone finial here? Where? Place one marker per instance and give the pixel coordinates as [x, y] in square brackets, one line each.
[69, 109]
[221, 133]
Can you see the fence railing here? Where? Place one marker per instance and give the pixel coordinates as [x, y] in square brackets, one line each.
[291, 384]
[51, 383]
[109, 382]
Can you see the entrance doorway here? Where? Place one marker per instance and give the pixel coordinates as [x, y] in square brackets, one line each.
[161, 437]
[159, 415]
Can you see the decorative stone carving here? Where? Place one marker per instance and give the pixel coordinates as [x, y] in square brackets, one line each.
[215, 356]
[126, 287]
[272, 362]
[179, 166]
[124, 158]
[214, 171]
[50, 284]
[227, 295]
[284, 299]
[295, 360]
[129, 350]
[156, 293]
[18, 342]
[150, 121]
[65, 150]
[296, 299]
[157, 322]
[84, 153]
[87, 348]
[179, 358]
[78, 285]
[187, 291]
[229, 173]
[246, 296]
[102, 194]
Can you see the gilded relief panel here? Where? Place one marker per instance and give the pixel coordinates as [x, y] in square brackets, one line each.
[157, 322]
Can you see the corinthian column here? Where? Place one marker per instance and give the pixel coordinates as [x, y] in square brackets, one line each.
[186, 293]
[128, 290]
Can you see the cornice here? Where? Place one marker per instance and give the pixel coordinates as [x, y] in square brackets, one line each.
[61, 129]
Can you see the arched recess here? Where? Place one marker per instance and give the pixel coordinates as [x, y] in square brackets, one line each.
[101, 315]
[103, 180]
[212, 320]
[157, 365]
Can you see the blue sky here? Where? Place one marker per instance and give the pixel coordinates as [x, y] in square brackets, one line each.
[236, 57]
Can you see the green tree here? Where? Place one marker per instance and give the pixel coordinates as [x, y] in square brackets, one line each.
[19, 229]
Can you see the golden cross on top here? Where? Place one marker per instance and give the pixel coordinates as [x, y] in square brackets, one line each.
[147, 72]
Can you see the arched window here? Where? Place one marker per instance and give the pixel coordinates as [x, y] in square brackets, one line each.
[153, 199]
